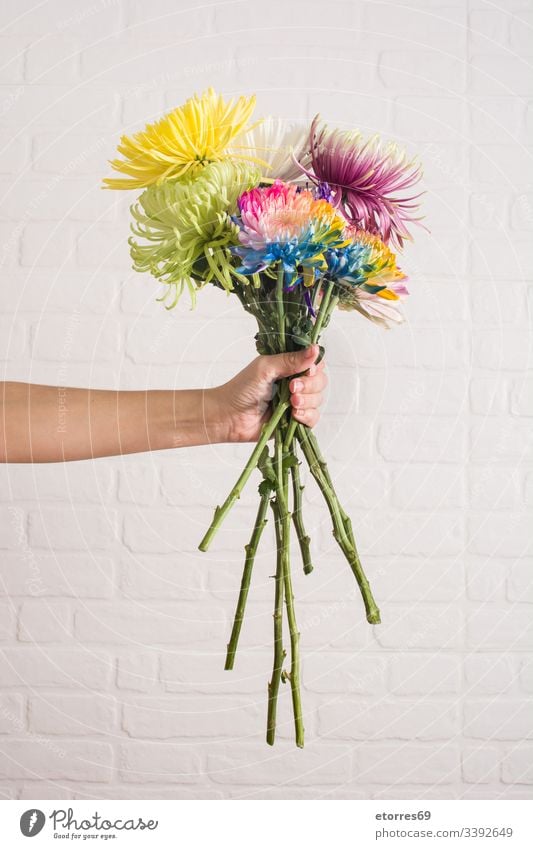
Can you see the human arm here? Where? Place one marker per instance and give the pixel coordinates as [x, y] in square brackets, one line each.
[47, 424]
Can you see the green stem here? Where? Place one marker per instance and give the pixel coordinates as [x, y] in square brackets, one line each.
[316, 292]
[347, 522]
[297, 515]
[345, 540]
[327, 305]
[323, 309]
[223, 510]
[280, 309]
[250, 549]
[323, 465]
[282, 494]
[279, 651]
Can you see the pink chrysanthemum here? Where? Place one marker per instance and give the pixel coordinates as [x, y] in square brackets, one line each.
[281, 213]
[281, 223]
[365, 180]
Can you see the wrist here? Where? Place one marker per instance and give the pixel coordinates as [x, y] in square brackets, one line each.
[215, 423]
[189, 417]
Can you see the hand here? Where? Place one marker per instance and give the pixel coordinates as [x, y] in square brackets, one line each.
[243, 403]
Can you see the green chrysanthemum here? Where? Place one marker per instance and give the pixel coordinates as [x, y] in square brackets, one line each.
[188, 228]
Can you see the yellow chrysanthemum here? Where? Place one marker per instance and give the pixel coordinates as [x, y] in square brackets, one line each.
[183, 142]
[380, 267]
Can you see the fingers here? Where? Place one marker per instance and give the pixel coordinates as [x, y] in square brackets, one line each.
[283, 365]
[306, 395]
[314, 369]
[306, 417]
[306, 402]
[310, 383]
[306, 389]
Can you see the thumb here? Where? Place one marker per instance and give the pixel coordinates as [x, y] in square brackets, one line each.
[293, 362]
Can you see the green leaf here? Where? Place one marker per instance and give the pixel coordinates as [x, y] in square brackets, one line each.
[289, 462]
[304, 341]
[265, 487]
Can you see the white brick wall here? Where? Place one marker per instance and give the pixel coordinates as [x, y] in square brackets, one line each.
[112, 625]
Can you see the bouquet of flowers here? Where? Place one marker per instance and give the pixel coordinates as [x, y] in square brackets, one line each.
[294, 222]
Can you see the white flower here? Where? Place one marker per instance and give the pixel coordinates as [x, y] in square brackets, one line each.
[275, 141]
[376, 309]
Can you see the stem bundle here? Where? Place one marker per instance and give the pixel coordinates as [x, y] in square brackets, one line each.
[274, 490]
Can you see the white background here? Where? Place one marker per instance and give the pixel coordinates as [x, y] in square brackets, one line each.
[341, 822]
[113, 625]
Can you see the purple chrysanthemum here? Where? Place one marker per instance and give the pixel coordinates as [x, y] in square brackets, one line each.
[366, 181]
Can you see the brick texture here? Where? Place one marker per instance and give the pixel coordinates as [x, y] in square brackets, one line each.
[112, 624]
